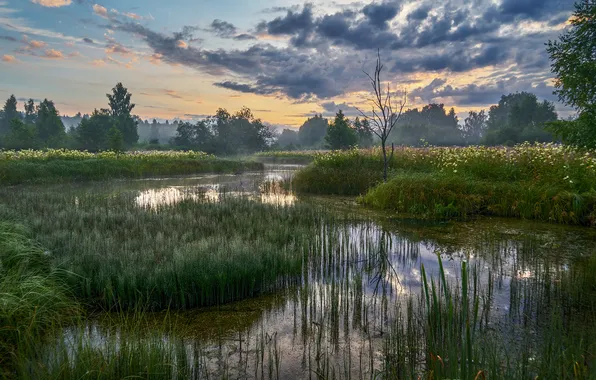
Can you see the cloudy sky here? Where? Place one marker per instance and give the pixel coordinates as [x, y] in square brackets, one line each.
[284, 60]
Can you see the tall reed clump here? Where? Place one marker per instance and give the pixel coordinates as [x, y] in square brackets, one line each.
[33, 297]
[70, 165]
[544, 182]
[191, 254]
[452, 333]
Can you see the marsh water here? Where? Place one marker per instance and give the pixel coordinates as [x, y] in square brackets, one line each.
[334, 321]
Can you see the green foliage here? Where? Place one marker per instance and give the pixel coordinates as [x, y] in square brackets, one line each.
[30, 112]
[9, 112]
[364, 133]
[225, 134]
[92, 133]
[115, 139]
[579, 132]
[474, 127]
[573, 60]
[120, 108]
[574, 65]
[21, 136]
[432, 124]
[340, 135]
[288, 138]
[50, 130]
[312, 132]
[518, 118]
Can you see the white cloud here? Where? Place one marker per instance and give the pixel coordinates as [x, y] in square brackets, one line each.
[54, 54]
[8, 58]
[100, 11]
[52, 3]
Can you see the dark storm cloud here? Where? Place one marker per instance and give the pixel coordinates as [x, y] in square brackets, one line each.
[379, 14]
[240, 87]
[299, 25]
[223, 29]
[88, 40]
[8, 38]
[327, 52]
[419, 13]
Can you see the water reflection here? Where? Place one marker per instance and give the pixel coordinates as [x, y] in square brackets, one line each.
[334, 323]
[269, 188]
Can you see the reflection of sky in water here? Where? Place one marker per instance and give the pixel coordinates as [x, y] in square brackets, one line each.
[264, 187]
[377, 268]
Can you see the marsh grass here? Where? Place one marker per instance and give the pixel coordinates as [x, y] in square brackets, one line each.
[65, 165]
[179, 256]
[33, 296]
[543, 182]
[448, 332]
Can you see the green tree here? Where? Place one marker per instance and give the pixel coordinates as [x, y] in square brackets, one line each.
[573, 59]
[121, 107]
[21, 135]
[517, 118]
[432, 124]
[312, 132]
[365, 136]
[92, 133]
[30, 114]
[9, 113]
[288, 139]
[474, 126]
[340, 135]
[50, 130]
[115, 139]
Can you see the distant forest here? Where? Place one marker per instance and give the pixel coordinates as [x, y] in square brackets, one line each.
[515, 118]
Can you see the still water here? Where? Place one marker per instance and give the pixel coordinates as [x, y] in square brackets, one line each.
[334, 323]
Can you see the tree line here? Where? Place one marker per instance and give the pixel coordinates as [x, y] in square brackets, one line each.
[40, 126]
[516, 118]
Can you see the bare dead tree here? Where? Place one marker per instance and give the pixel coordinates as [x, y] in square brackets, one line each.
[386, 112]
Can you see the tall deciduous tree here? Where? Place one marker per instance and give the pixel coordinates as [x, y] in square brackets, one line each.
[573, 59]
[50, 130]
[92, 133]
[339, 134]
[474, 126]
[385, 112]
[121, 107]
[312, 132]
[365, 136]
[517, 118]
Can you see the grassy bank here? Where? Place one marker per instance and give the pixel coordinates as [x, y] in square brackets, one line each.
[288, 157]
[544, 182]
[68, 165]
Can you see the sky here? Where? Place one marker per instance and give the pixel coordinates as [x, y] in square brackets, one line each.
[284, 60]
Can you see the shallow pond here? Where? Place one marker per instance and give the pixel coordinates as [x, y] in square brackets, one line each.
[333, 323]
